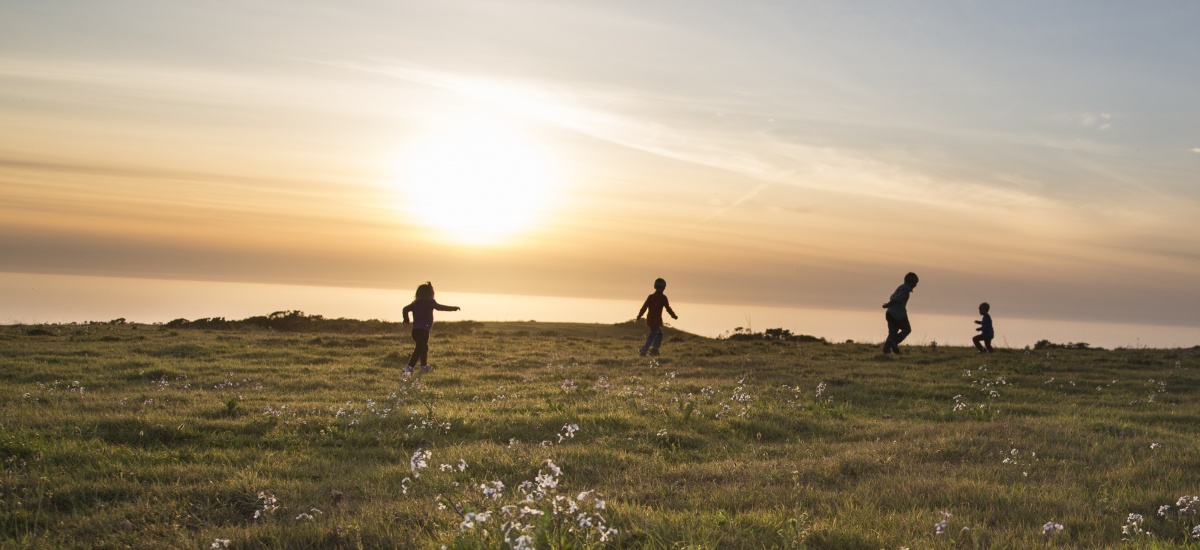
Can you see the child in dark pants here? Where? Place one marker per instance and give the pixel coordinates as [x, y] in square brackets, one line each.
[422, 309]
[897, 315]
[986, 333]
[653, 308]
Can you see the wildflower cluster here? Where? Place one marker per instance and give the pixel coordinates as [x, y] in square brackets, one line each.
[543, 509]
[939, 528]
[1133, 527]
[990, 390]
[1157, 387]
[266, 504]
[568, 431]
[181, 379]
[48, 391]
[535, 511]
[740, 396]
[355, 414]
[1015, 457]
[351, 413]
[308, 516]
[1184, 513]
[230, 383]
[419, 461]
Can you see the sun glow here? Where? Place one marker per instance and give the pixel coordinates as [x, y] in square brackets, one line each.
[478, 180]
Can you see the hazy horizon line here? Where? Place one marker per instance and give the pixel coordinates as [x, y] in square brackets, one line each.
[917, 312]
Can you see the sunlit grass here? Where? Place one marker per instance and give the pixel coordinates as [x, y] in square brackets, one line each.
[543, 435]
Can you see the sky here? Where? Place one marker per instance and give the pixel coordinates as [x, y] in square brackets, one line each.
[1043, 157]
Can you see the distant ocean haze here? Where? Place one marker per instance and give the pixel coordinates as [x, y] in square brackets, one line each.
[37, 298]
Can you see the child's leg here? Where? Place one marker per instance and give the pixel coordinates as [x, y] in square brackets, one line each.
[988, 342]
[649, 340]
[898, 330]
[976, 340]
[904, 330]
[891, 328]
[424, 348]
[656, 336]
[421, 338]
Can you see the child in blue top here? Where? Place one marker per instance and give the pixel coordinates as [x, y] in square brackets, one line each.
[422, 309]
[984, 338]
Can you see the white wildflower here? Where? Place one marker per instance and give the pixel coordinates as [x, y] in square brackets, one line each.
[419, 461]
[1050, 527]
[493, 490]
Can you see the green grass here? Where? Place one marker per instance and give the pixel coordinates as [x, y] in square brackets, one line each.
[150, 437]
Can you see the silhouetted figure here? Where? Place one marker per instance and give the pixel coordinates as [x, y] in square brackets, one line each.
[653, 308]
[984, 338]
[897, 315]
[422, 309]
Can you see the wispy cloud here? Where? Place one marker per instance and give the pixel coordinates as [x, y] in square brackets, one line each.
[694, 131]
[1098, 121]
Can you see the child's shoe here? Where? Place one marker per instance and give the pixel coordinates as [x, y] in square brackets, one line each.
[426, 368]
[408, 369]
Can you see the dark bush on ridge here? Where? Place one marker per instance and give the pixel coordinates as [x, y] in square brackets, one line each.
[772, 335]
[298, 321]
[1046, 344]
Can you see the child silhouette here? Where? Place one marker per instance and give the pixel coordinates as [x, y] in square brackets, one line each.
[897, 315]
[986, 333]
[653, 307]
[422, 309]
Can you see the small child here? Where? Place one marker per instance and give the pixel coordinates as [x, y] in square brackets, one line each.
[422, 309]
[897, 314]
[985, 330]
[655, 303]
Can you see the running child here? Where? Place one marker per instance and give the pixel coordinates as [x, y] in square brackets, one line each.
[653, 308]
[422, 309]
[897, 315]
[984, 338]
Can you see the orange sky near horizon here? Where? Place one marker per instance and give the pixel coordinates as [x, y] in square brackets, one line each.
[764, 154]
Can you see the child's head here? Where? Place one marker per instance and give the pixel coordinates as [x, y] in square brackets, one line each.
[911, 279]
[984, 308]
[425, 291]
[660, 284]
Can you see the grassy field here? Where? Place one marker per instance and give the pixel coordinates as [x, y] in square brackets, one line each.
[559, 435]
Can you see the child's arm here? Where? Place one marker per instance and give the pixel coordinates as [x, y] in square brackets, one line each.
[645, 306]
[667, 304]
[441, 307]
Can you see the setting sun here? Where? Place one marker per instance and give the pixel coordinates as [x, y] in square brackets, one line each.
[477, 180]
